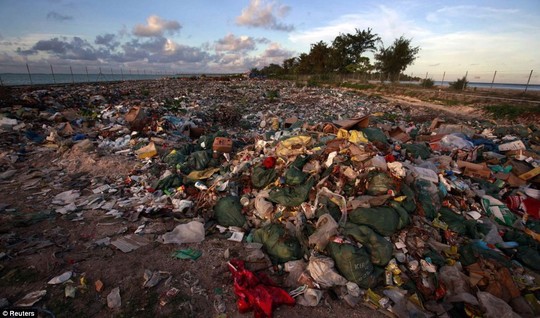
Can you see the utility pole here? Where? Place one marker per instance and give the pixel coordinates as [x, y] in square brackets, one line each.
[528, 81]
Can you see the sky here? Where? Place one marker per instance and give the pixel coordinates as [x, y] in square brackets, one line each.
[228, 36]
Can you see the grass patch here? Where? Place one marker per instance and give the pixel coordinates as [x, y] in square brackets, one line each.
[357, 86]
[510, 111]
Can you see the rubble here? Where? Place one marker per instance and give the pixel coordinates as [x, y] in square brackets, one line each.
[343, 199]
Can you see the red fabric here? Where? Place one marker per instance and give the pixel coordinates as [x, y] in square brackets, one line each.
[256, 292]
[390, 158]
[532, 207]
[269, 162]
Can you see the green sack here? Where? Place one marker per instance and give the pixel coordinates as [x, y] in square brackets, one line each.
[409, 203]
[199, 160]
[529, 257]
[278, 244]
[326, 206]
[228, 212]
[294, 175]
[379, 183]
[170, 181]
[384, 220]
[428, 196]
[374, 134]
[261, 177]
[354, 264]
[469, 254]
[404, 219]
[292, 196]
[174, 158]
[459, 224]
[418, 150]
[379, 248]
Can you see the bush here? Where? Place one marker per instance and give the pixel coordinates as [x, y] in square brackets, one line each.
[427, 83]
[459, 84]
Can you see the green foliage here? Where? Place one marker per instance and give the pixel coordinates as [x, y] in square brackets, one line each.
[459, 84]
[347, 49]
[357, 86]
[393, 60]
[512, 111]
[427, 83]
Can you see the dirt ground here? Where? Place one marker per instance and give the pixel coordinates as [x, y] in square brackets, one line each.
[40, 244]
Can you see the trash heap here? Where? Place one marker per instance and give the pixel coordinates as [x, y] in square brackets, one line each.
[426, 218]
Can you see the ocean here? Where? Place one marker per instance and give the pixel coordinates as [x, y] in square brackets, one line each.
[12, 79]
[483, 85]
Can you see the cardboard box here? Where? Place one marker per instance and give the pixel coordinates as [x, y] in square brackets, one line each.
[398, 134]
[474, 170]
[530, 174]
[290, 121]
[222, 144]
[136, 118]
[436, 123]
[353, 123]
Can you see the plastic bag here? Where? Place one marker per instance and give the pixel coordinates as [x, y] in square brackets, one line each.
[384, 220]
[417, 150]
[228, 212]
[261, 177]
[321, 269]
[256, 292]
[292, 196]
[278, 243]
[192, 232]
[326, 228]
[263, 208]
[379, 183]
[379, 249]
[354, 264]
[495, 307]
[451, 142]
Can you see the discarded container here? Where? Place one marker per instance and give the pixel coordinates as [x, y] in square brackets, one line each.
[192, 232]
[222, 144]
[114, 301]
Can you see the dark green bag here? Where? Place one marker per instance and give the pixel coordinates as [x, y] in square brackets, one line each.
[379, 248]
[261, 177]
[417, 150]
[429, 202]
[384, 220]
[529, 257]
[228, 212]
[294, 175]
[379, 183]
[409, 203]
[292, 196]
[325, 205]
[459, 224]
[404, 219]
[354, 264]
[199, 160]
[278, 244]
[171, 181]
[375, 134]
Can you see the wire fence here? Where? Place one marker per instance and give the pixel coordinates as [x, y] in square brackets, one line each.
[63, 74]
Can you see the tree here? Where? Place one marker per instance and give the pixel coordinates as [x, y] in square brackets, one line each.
[460, 84]
[319, 58]
[393, 60]
[348, 48]
[289, 65]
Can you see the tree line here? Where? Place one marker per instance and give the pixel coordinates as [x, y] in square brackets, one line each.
[346, 55]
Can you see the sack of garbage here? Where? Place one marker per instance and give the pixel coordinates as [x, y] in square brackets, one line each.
[261, 176]
[417, 150]
[379, 249]
[379, 183]
[292, 196]
[228, 212]
[278, 243]
[384, 220]
[354, 264]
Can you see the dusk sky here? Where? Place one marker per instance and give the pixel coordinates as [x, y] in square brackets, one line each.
[203, 36]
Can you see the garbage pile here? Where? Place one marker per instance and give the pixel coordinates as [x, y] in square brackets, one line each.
[349, 194]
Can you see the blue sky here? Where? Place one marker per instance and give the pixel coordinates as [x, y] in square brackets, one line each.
[233, 36]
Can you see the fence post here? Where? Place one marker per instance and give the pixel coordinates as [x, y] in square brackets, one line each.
[465, 81]
[528, 81]
[443, 75]
[1, 82]
[87, 77]
[52, 72]
[29, 75]
[493, 80]
[122, 74]
[71, 71]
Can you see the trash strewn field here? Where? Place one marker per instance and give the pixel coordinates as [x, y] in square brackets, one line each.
[239, 198]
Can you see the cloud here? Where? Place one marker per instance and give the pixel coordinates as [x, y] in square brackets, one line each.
[107, 40]
[232, 43]
[468, 11]
[156, 26]
[53, 15]
[260, 14]
[388, 23]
